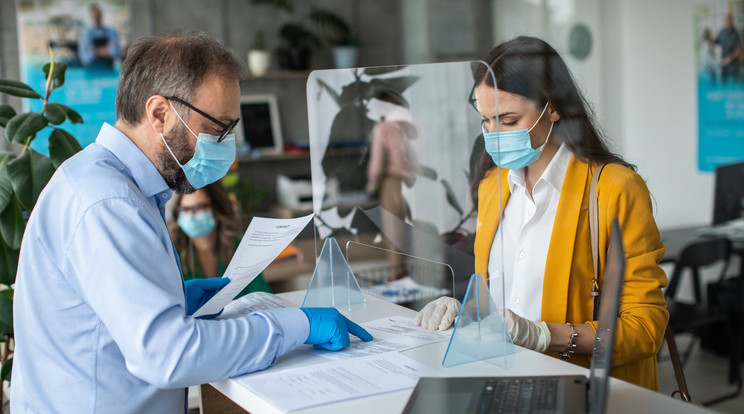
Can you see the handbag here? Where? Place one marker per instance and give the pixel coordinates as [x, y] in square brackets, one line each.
[594, 240]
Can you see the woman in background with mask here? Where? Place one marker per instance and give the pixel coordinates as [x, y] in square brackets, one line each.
[205, 231]
[541, 132]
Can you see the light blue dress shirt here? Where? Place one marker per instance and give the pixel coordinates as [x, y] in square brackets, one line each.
[99, 309]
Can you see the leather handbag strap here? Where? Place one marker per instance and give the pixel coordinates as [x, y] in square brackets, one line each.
[678, 373]
[594, 239]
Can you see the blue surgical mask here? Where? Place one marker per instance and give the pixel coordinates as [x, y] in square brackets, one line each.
[196, 224]
[211, 159]
[513, 149]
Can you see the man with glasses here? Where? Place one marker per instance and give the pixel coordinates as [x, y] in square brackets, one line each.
[102, 316]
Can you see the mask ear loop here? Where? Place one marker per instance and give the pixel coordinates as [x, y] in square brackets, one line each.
[529, 130]
[187, 127]
[195, 136]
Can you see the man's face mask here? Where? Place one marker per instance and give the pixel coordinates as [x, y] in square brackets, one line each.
[211, 160]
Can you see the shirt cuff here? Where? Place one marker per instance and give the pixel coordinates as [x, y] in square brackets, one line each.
[293, 323]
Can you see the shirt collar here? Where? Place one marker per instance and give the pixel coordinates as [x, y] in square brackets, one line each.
[144, 173]
[553, 174]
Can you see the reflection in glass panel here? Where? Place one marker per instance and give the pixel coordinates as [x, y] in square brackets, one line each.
[392, 152]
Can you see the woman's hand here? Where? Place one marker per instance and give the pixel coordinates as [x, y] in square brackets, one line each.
[525, 333]
[438, 314]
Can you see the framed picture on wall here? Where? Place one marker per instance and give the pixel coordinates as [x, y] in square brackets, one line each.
[259, 128]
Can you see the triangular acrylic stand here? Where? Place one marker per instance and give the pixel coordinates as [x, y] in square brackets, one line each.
[480, 332]
[333, 283]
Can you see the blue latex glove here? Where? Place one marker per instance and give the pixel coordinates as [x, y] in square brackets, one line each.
[199, 291]
[330, 330]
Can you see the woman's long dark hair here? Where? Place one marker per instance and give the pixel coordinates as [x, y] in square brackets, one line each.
[529, 67]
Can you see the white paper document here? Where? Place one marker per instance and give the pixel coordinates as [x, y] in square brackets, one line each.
[304, 387]
[262, 242]
[253, 302]
[393, 333]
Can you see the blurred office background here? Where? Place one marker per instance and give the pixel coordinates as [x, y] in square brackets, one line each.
[636, 60]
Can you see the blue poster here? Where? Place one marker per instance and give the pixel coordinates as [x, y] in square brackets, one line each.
[720, 74]
[91, 38]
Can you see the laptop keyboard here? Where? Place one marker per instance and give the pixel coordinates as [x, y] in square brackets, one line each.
[515, 395]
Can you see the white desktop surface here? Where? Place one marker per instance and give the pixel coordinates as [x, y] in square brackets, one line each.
[624, 397]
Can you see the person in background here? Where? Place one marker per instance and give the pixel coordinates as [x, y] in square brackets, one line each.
[539, 129]
[728, 38]
[392, 163]
[99, 45]
[205, 232]
[101, 314]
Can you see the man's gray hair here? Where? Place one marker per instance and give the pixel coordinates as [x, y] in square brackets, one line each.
[170, 64]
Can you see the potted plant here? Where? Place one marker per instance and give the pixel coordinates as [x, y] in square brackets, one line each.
[298, 39]
[259, 58]
[22, 177]
[344, 44]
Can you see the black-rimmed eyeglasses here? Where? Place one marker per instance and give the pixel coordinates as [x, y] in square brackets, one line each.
[226, 128]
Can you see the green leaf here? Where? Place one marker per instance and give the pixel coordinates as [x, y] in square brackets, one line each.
[29, 173]
[6, 112]
[6, 188]
[6, 316]
[8, 265]
[55, 113]
[451, 198]
[7, 369]
[24, 126]
[58, 77]
[71, 114]
[19, 89]
[12, 224]
[427, 172]
[62, 146]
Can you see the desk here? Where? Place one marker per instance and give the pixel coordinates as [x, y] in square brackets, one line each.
[624, 397]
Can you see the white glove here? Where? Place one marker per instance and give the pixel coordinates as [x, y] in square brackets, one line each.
[438, 314]
[525, 333]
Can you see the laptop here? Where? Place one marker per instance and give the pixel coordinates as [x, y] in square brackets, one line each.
[553, 394]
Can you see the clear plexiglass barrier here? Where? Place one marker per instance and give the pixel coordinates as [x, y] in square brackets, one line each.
[393, 153]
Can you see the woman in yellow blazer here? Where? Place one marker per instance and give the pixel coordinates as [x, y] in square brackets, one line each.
[542, 135]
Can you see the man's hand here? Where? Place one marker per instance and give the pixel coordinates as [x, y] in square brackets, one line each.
[330, 330]
[199, 291]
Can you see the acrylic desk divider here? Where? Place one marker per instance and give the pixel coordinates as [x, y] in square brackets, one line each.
[480, 333]
[333, 283]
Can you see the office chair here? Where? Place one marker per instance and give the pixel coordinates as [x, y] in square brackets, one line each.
[700, 318]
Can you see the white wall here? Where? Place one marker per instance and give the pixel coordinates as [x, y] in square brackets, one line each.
[640, 76]
[651, 103]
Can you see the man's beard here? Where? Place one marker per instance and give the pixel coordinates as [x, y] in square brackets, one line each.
[172, 172]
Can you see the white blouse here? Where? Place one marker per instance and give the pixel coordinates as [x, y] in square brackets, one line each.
[526, 229]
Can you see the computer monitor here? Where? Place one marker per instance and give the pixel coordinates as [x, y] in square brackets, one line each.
[729, 193]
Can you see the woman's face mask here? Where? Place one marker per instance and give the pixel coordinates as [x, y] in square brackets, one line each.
[513, 149]
[197, 224]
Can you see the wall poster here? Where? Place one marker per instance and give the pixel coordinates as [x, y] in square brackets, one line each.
[720, 75]
[91, 37]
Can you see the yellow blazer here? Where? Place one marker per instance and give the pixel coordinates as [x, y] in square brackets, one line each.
[621, 194]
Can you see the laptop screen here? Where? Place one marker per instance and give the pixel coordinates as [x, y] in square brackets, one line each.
[608, 313]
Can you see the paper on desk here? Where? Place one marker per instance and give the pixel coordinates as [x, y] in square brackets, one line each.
[262, 242]
[295, 389]
[394, 333]
[252, 302]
